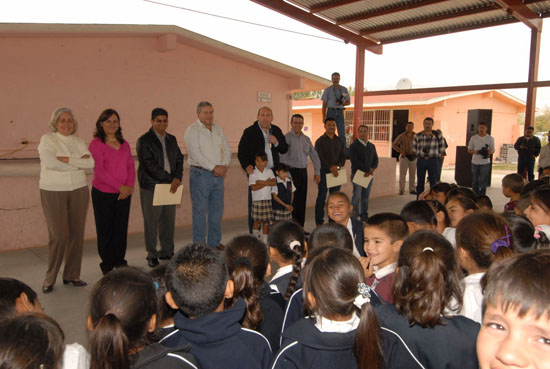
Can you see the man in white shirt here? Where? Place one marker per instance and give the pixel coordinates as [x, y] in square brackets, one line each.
[481, 146]
[209, 157]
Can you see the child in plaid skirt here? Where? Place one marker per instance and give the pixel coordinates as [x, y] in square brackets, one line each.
[260, 183]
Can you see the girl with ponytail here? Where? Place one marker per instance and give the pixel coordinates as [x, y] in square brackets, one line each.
[342, 331]
[247, 260]
[422, 331]
[123, 311]
[481, 239]
[287, 248]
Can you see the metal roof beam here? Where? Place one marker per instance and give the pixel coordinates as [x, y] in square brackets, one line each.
[493, 86]
[331, 5]
[425, 20]
[319, 23]
[392, 10]
[521, 12]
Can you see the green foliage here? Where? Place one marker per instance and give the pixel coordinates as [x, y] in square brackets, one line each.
[542, 121]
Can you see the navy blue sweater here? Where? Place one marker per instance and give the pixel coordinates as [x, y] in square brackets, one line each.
[217, 340]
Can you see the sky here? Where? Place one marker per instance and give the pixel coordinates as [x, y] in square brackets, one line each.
[492, 55]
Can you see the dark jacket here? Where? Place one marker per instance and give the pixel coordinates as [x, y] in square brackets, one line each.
[304, 346]
[217, 340]
[151, 160]
[532, 146]
[357, 227]
[331, 152]
[156, 356]
[283, 281]
[362, 157]
[273, 310]
[252, 142]
[452, 345]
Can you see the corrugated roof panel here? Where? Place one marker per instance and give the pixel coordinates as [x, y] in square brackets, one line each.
[542, 7]
[449, 24]
[418, 14]
[361, 7]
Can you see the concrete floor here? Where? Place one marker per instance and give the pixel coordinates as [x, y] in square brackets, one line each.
[68, 304]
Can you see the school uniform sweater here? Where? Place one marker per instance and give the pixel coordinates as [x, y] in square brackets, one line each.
[452, 345]
[272, 305]
[217, 340]
[156, 356]
[280, 280]
[305, 346]
[382, 281]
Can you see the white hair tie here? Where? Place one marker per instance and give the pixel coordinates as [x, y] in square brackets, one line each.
[294, 245]
[427, 249]
[363, 296]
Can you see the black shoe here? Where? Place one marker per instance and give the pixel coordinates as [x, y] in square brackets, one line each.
[166, 257]
[76, 282]
[412, 192]
[152, 262]
[306, 234]
[47, 289]
[220, 247]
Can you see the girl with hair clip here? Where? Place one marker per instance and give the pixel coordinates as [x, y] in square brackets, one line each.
[247, 260]
[481, 239]
[459, 208]
[31, 341]
[422, 331]
[342, 330]
[538, 213]
[123, 311]
[287, 248]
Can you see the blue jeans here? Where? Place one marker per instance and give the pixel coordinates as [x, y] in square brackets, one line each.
[360, 200]
[322, 197]
[480, 178]
[338, 116]
[423, 166]
[527, 162]
[207, 200]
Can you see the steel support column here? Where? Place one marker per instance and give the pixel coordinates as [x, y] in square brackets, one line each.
[359, 86]
[534, 54]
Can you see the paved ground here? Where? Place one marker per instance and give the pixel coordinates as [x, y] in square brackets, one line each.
[68, 304]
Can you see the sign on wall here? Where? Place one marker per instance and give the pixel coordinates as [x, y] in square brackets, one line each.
[264, 96]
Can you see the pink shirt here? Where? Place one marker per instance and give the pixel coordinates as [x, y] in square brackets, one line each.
[113, 168]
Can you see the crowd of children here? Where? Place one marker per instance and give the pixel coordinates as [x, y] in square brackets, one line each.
[447, 283]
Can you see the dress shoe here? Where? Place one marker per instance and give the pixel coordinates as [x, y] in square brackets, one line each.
[152, 262]
[76, 282]
[166, 257]
[220, 247]
[401, 192]
[47, 289]
[412, 192]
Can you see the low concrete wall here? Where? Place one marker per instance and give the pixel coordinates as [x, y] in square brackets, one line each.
[22, 223]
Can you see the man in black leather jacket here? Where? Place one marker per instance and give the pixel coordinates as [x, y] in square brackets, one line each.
[160, 161]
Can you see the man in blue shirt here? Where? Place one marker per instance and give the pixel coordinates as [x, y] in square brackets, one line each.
[335, 98]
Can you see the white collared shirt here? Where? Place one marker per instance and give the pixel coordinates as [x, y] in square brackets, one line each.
[267, 148]
[384, 271]
[333, 326]
[281, 272]
[473, 297]
[353, 249]
[207, 148]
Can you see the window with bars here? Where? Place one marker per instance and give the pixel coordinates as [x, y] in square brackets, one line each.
[378, 122]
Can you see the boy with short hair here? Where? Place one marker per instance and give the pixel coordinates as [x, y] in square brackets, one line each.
[283, 194]
[260, 182]
[419, 216]
[515, 332]
[198, 284]
[512, 184]
[384, 235]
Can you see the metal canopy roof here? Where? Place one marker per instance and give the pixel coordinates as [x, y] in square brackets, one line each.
[373, 23]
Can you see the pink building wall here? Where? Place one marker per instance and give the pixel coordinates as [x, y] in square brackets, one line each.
[450, 115]
[133, 71]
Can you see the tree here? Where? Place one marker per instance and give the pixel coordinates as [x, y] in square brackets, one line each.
[542, 121]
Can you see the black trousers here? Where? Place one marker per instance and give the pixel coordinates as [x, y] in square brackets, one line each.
[111, 223]
[299, 177]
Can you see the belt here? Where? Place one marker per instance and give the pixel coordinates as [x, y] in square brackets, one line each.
[201, 168]
[337, 108]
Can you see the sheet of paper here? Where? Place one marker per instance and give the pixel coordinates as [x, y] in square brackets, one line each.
[333, 181]
[163, 196]
[360, 179]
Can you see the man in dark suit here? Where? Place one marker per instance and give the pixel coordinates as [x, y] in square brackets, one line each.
[160, 161]
[261, 136]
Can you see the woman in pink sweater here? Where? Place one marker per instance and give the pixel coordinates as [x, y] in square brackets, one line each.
[112, 187]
